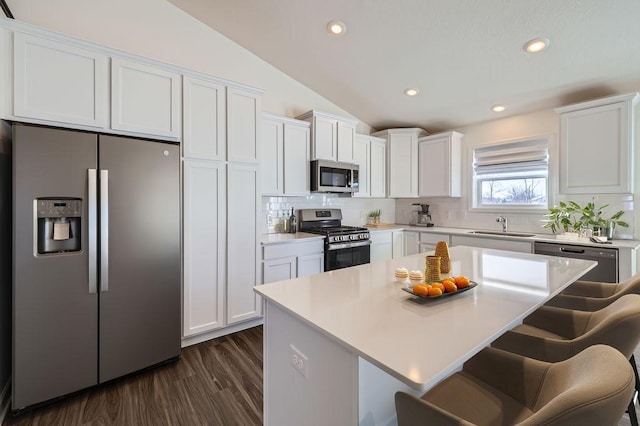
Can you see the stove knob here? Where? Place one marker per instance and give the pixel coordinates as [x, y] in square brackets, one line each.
[353, 237]
[364, 236]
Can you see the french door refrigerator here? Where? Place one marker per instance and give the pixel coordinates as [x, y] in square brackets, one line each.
[96, 286]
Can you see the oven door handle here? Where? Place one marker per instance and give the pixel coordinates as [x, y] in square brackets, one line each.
[345, 245]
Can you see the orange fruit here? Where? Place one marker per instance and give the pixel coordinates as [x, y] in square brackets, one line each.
[449, 286]
[420, 290]
[438, 285]
[453, 281]
[435, 291]
[462, 281]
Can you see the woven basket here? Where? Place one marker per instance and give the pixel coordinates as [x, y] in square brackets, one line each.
[442, 250]
[432, 269]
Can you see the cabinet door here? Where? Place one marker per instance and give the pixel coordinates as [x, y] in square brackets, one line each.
[381, 246]
[58, 82]
[596, 150]
[398, 244]
[361, 157]
[403, 166]
[203, 119]
[278, 269]
[144, 99]
[296, 160]
[310, 264]
[434, 168]
[242, 242]
[377, 166]
[325, 139]
[243, 118]
[346, 137]
[272, 157]
[411, 242]
[204, 246]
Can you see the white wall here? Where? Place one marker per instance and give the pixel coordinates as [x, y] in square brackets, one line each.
[457, 212]
[159, 30]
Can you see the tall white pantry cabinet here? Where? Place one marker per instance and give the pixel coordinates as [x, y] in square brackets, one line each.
[221, 202]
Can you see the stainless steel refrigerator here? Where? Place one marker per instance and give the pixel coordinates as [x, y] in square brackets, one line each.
[96, 286]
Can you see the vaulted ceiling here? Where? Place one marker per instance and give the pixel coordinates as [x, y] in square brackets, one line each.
[464, 56]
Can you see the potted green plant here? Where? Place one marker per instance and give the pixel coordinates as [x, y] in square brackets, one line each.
[374, 217]
[592, 217]
[561, 218]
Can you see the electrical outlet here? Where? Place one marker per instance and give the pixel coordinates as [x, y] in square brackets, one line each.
[299, 361]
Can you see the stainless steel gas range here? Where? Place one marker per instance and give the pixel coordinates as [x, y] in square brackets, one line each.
[344, 246]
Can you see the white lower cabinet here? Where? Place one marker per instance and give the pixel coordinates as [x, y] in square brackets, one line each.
[283, 261]
[411, 242]
[204, 246]
[310, 264]
[242, 242]
[398, 243]
[492, 243]
[381, 245]
[280, 269]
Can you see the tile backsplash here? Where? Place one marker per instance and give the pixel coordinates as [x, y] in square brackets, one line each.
[455, 213]
[354, 210]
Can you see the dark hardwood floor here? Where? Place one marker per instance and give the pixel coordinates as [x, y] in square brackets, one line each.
[218, 382]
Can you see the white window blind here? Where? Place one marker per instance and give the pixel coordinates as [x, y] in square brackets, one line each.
[520, 156]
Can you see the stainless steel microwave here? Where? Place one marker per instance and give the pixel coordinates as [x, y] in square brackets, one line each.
[333, 176]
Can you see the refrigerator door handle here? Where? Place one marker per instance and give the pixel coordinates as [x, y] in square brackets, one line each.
[93, 229]
[104, 230]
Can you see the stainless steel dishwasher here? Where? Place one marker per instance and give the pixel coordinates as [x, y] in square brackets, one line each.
[607, 258]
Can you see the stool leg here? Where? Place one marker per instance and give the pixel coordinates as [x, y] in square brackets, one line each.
[631, 410]
[632, 360]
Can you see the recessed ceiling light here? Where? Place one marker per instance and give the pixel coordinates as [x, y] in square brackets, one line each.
[336, 27]
[411, 92]
[536, 45]
[498, 108]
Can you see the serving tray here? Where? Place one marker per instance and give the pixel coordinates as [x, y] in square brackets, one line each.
[472, 284]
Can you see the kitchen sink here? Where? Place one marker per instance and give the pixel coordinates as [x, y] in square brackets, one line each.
[508, 234]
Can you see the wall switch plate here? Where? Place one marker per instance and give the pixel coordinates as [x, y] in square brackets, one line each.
[299, 361]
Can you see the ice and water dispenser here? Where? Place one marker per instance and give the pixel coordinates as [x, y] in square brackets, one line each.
[59, 221]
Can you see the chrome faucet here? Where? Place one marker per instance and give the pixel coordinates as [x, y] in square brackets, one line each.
[503, 221]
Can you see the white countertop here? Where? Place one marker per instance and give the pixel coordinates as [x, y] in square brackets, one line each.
[288, 238]
[548, 238]
[422, 341]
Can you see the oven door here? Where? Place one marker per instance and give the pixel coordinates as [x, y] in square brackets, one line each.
[343, 255]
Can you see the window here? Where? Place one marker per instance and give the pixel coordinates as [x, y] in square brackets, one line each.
[511, 174]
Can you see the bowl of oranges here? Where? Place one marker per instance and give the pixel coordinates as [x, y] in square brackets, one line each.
[449, 286]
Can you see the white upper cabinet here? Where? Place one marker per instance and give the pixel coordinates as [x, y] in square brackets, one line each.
[284, 162]
[296, 158]
[369, 154]
[243, 126]
[402, 161]
[272, 157]
[145, 99]
[362, 157]
[332, 137]
[439, 165]
[377, 167]
[60, 83]
[204, 121]
[596, 146]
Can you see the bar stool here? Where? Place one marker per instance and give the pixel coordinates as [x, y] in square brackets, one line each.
[555, 334]
[592, 296]
[496, 387]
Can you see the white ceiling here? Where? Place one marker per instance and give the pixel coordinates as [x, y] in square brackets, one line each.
[463, 55]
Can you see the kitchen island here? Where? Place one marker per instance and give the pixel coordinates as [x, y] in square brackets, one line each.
[337, 345]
